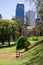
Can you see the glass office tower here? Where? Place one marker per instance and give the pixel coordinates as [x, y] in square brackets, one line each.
[20, 12]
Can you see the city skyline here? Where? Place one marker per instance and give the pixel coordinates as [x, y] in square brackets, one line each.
[8, 7]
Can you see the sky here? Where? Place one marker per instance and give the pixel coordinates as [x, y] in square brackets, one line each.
[8, 7]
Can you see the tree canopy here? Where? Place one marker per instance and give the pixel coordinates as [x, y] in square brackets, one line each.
[7, 29]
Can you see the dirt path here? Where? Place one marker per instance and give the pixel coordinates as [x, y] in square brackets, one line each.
[8, 55]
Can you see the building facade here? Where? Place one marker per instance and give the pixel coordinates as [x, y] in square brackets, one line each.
[20, 12]
[31, 17]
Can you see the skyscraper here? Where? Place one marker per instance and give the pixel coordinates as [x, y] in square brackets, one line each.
[31, 17]
[20, 12]
[0, 16]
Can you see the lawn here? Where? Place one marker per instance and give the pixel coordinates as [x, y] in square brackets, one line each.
[31, 57]
[12, 48]
[34, 41]
[39, 38]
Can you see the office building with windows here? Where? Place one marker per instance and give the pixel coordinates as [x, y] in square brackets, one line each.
[31, 17]
[20, 12]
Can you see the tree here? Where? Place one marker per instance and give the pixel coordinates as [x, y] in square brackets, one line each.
[37, 2]
[10, 30]
[22, 43]
[19, 24]
[39, 6]
[7, 29]
[41, 29]
[14, 31]
[41, 12]
[36, 33]
[2, 29]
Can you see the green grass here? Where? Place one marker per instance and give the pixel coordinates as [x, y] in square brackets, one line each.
[39, 38]
[33, 41]
[32, 57]
[12, 48]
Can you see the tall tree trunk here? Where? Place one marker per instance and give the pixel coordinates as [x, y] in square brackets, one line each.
[8, 43]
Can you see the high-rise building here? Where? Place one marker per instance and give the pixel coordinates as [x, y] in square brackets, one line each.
[20, 12]
[0, 16]
[31, 17]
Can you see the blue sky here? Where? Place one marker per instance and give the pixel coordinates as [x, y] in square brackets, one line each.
[8, 7]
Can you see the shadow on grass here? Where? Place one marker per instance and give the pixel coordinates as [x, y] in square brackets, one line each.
[6, 46]
[35, 39]
[39, 61]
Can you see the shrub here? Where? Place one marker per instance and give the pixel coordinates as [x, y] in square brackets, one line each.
[22, 42]
[35, 39]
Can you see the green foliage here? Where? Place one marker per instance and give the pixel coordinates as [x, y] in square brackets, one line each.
[22, 42]
[41, 12]
[32, 57]
[35, 39]
[35, 32]
[41, 29]
[19, 24]
[7, 29]
[38, 31]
